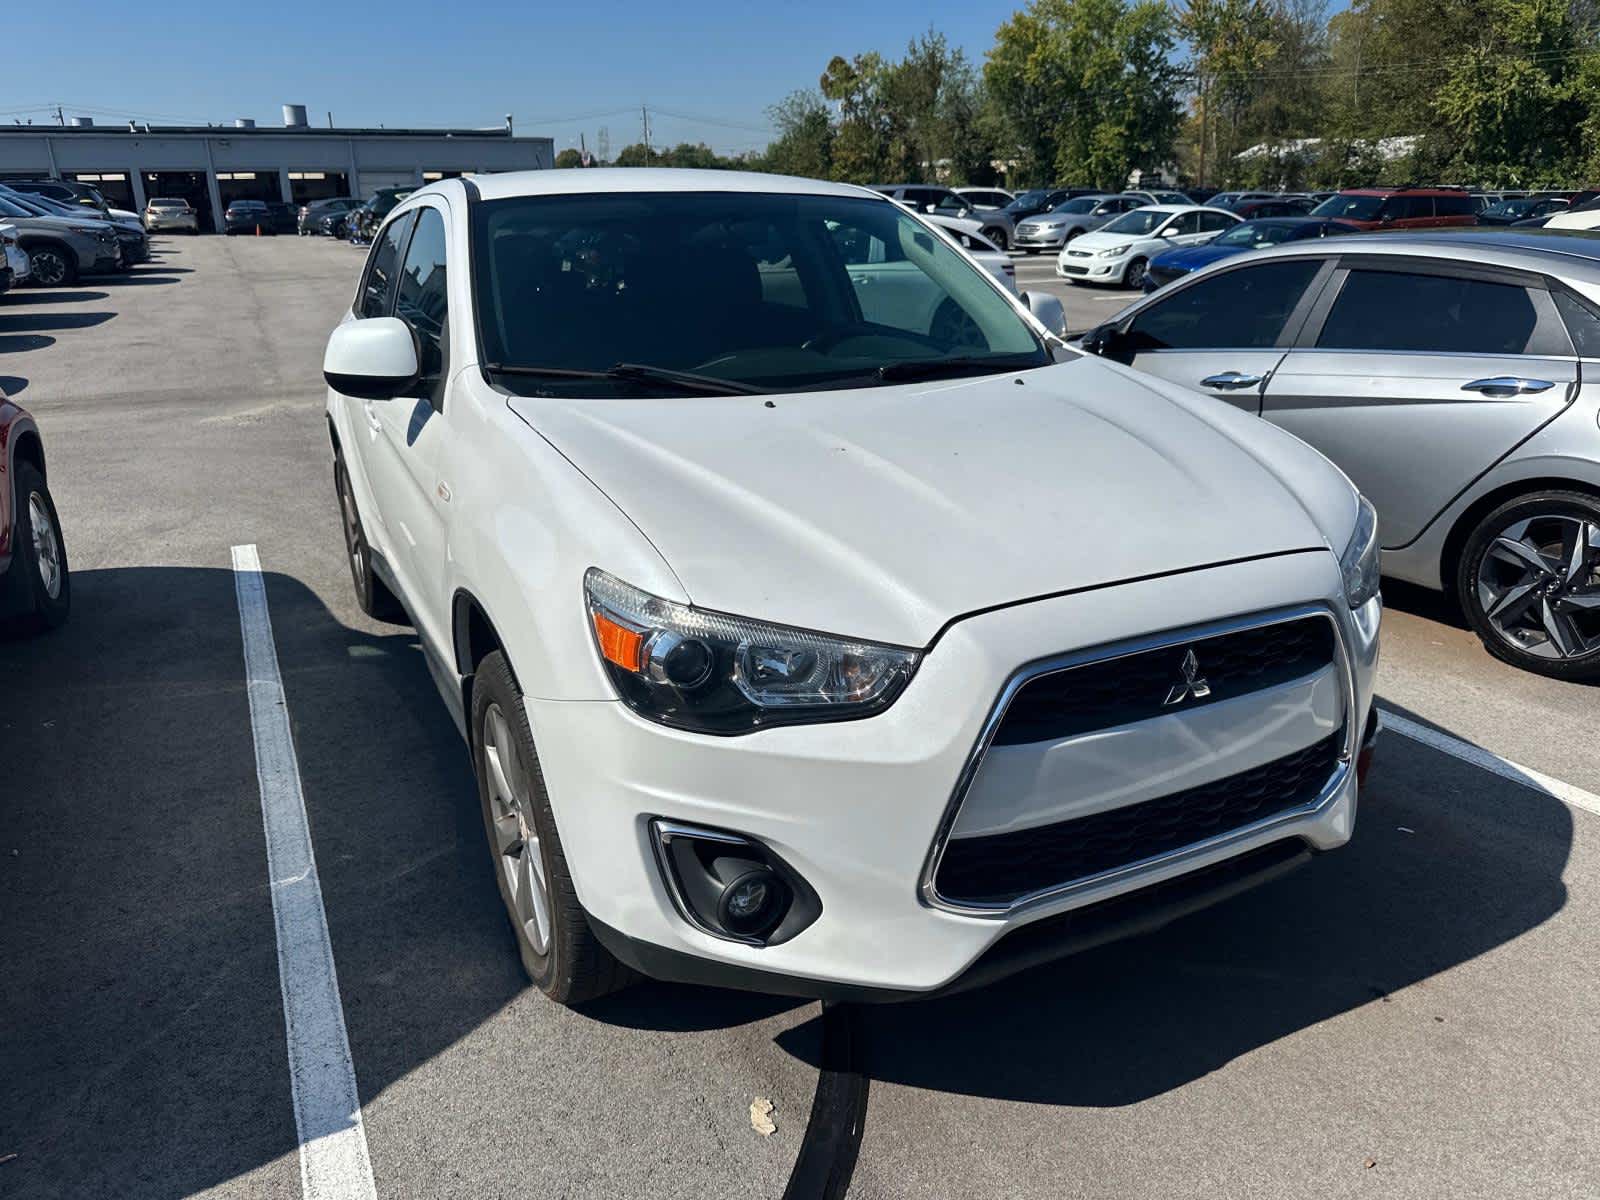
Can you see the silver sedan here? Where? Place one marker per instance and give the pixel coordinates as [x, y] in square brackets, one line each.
[1454, 377]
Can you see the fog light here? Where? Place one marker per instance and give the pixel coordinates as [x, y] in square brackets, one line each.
[732, 886]
[752, 903]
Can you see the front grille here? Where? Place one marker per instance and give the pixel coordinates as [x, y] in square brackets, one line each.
[1004, 867]
[1072, 269]
[1134, 687]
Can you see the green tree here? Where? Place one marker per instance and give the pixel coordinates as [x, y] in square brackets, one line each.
[804, 145]
[569, 158]
[1089, 88]
[1231, 42]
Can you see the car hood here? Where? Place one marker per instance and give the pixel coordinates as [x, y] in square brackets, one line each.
[885, 513]
[1192, 258]
[1101, 240]
[61, 224]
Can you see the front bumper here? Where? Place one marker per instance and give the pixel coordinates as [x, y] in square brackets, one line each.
[160, 224]
[1034, 240]
[1091, 268]
[856, 807]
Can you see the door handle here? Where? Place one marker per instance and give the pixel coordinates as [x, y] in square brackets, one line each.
[372, 418]
[1230, 380]
[1507, 385]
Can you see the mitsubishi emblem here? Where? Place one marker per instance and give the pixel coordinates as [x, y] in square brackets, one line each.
[1192, 684]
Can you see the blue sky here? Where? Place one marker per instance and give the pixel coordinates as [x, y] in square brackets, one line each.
[557, 68]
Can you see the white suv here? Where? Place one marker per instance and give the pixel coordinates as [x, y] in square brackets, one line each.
[817, 621]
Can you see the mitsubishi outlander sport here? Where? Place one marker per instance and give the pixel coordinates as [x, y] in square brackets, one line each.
[817, 621]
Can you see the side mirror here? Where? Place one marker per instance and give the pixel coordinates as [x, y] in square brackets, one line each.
[372, 359]
[1169, 232]
[1386, 219]
[1100, 340]
[1048, 311]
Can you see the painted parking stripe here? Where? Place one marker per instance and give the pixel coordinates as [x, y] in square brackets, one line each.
[327, 1107]
[1495, 764]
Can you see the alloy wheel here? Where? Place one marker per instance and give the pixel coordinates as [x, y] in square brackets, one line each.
[354, 544]
[47, 267]
[514, 831]
[46, 545]
[1538, 585]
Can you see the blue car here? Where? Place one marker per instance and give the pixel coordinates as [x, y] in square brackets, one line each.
[1241, 239]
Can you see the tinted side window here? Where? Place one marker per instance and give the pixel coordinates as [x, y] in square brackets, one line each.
[377, 288]
[1453, 206]
[1211, 222]
[1188, 222]
[1236, 310]
[1390, 310]
[420, 300]
[1582, 322]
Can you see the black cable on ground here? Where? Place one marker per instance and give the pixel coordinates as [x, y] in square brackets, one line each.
[832, 1140]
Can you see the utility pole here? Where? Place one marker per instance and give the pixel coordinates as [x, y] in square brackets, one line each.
[60, 117]
[644, 121]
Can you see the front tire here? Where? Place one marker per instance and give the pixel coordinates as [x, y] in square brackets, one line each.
[41, 553]
[1529, 584]
[1133, 276]
[997, 235]
[559, 951]
[372, 594]
[50, 265]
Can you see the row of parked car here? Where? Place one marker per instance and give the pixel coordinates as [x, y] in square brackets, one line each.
[54, 232]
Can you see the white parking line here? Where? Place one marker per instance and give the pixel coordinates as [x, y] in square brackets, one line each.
[1489, 761]
[327, 1106]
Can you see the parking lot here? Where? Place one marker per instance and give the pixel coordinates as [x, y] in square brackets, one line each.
[1411, 1016]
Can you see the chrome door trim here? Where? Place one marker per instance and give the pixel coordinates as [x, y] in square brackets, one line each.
[1056, 894]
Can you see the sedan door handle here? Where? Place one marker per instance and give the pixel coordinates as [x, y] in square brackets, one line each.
[1230, 380]
[1507, 385]
[372, 418]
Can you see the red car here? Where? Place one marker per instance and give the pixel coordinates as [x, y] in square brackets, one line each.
[1400, 208]
[34, 586]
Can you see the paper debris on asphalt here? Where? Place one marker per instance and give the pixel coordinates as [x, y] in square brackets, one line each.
[761, 1116]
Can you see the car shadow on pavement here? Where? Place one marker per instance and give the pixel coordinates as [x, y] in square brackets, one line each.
[37, 322]
[141, 1025]
[1447, 863]
[140, 280]
[13, 385]
[1423, 602]
[16, 343]
[31, 297]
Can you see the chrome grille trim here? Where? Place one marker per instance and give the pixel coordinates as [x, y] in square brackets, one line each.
[928, 892]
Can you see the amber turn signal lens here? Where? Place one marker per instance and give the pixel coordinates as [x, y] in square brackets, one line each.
[619, 644]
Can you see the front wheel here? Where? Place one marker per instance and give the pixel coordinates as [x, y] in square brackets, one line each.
[52, 266]
[1529, 584]
[41, 551]
[559, 951]
[1133, 277]
[997, 235]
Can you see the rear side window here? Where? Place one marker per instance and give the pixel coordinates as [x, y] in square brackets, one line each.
[1211, 222]
[1453, 206]
[1392, 310]
[1583, 324]
[1237, 310]
[377, 288]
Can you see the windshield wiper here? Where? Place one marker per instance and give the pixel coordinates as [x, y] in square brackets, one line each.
[686, 381]
[932, 368]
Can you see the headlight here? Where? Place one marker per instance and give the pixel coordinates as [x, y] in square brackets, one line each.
[1114, 251]
[1359, 562]
[714, 673]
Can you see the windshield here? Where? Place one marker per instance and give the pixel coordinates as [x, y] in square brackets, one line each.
[1029, 199]
[1140, 221]
[166, 202]
[1510, 208]
[1083, 204]
[1359, 208]
[1256, 234]
[9, 209]
[781, 292]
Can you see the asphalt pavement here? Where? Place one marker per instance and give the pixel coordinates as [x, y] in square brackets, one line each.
[1409, 1017]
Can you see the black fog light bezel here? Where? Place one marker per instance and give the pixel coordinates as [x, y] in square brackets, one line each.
[700, 865]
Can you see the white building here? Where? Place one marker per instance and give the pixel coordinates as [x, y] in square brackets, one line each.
[212, 165]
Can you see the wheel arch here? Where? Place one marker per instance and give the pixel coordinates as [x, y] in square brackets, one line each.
[473, 638]
[29, 448]
[1456, 540]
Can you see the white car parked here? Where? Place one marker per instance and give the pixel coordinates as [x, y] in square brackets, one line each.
[1119, 251]
[967, 234]
[14, 262]
[164, 212]
[816, 628]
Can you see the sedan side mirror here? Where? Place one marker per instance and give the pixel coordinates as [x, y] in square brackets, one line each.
[1101, 340]
[372, 359]
[1048, 311]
